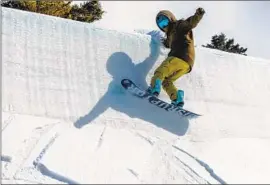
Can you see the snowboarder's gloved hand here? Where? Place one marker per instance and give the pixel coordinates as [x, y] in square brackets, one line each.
[165, 42]
[200, 11]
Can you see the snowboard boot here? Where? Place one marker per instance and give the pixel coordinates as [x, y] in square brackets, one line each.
[179, 101]
[156, 89]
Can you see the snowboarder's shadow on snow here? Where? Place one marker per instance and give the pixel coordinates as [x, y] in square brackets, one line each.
[120, 66]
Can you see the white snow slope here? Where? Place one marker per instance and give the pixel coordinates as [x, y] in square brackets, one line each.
[66, 118]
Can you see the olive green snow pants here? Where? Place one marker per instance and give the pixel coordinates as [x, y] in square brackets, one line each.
[169, 71]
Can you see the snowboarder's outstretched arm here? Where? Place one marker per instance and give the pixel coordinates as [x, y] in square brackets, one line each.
[193, 20]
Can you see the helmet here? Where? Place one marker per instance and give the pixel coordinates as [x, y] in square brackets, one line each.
[163, 18]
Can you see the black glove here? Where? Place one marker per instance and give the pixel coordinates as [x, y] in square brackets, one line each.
[200, 11]
[165, 42]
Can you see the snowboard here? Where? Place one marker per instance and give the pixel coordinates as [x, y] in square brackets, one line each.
[132, 88]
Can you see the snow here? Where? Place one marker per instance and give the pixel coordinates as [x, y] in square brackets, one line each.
[66, 118]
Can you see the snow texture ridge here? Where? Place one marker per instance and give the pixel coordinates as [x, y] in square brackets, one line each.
[66, 118]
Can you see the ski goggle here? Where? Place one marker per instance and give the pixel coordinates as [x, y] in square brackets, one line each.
[162, 21]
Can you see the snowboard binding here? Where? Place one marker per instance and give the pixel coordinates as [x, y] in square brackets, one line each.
[179, 101]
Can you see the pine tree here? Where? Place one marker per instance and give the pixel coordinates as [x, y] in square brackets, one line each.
[220, 42]
[55, 8]
[89, 11]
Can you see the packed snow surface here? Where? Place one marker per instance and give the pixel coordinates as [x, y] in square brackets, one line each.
[67, 119]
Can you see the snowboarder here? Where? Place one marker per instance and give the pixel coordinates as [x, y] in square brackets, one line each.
[180, 60]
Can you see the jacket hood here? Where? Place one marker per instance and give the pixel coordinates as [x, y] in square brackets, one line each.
[168, 14]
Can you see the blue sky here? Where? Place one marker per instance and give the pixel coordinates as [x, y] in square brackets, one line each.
[245, 21]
